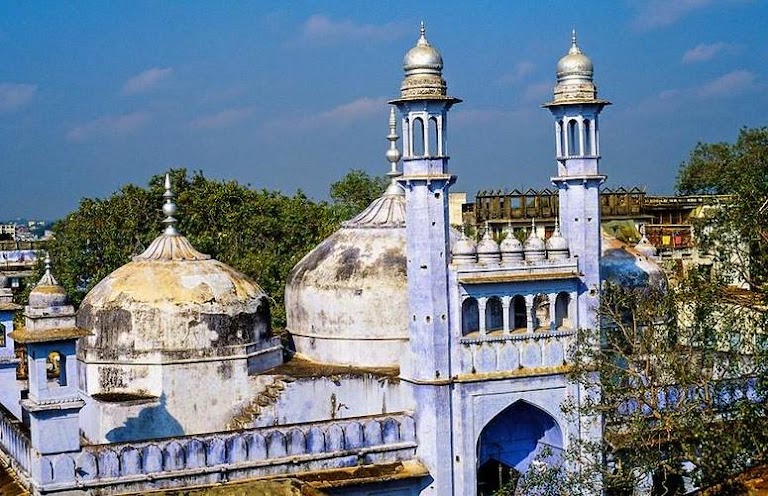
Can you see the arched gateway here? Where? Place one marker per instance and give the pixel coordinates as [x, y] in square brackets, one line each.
[511, 441]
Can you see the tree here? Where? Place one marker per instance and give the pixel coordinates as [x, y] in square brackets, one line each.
[357, 190]
[737, 231]
[260, 233]
[679, 375]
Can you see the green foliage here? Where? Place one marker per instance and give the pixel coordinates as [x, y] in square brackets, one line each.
[261, 233]
[724, 168]
[355, 191]
[679, 376]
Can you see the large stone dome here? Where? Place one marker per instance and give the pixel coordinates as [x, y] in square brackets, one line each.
[170, 304]
[346, 300]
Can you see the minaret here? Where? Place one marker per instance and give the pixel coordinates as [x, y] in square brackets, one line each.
[50, 336]
[424, 106]
[576, 108]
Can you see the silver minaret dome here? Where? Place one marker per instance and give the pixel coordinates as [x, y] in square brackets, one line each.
[423, 58]
[574, 65]
[423, 66]
[575, 78]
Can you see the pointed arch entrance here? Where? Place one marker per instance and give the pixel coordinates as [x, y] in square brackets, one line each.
[511, 441]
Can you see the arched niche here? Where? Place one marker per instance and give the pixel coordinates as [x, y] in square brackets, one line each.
[470, 316]
[511, 441]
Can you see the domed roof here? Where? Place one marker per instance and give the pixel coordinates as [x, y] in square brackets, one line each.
[423, 66]
[533, 243]
[47, 292]
[487, 245]
[625, 265]
[349, 293]
[464, 246]
[510, 244]
[644, 246]
[574, 63]
[556, 241]
[422, 58]
[575, 79]
[174, 302]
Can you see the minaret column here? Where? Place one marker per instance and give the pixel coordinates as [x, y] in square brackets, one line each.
[426, 181]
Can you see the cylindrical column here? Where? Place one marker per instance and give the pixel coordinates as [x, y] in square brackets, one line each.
[529, 312]
[481, 302]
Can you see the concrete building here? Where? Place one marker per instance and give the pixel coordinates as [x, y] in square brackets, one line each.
[425, 364]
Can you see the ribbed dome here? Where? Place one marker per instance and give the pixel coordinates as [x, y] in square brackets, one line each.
[349, 293]
[487, 245]
[557, 245]
[534, 246]
[464, 250]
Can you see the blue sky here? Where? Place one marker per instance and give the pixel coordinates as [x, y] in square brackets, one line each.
[291, 95]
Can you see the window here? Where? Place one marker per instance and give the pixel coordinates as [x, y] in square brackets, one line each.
[417, 138]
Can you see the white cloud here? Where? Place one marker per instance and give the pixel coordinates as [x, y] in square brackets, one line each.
[118, 125]
[345, 113]
[354, 110]
[14, 96]
[518, 73]
[704, 52]
[320, 27]
[538, 92]
[728, 84]
[225, 118]
[147, 80]
[659, 13]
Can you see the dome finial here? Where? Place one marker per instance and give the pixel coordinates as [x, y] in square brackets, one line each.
[393, 155]
[422, 29]
[169, 208]
[574, 46]
[47, 264]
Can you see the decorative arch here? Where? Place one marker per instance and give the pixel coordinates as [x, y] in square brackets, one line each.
[470, 316]
[494, 314]
[588, 138]
[56, 368]
[562, 303]
[433, 145]
[518, 313]
[573, 138]
[511, 441]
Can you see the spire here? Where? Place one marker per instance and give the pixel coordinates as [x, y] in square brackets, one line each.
[47, 279]
[393, 155]
[574, 47]
[169, 208]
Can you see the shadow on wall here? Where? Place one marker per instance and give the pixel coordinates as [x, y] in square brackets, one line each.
[152, 422]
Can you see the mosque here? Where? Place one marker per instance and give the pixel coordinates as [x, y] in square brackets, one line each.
[425, 363]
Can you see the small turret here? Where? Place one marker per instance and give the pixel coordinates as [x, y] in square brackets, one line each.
[534, 248]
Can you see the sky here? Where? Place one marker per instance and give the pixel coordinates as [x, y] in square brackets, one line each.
[292, 95]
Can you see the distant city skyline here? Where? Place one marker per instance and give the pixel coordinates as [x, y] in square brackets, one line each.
[292, 95]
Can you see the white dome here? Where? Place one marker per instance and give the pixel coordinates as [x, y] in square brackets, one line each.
[170, 303]
[348, 295]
